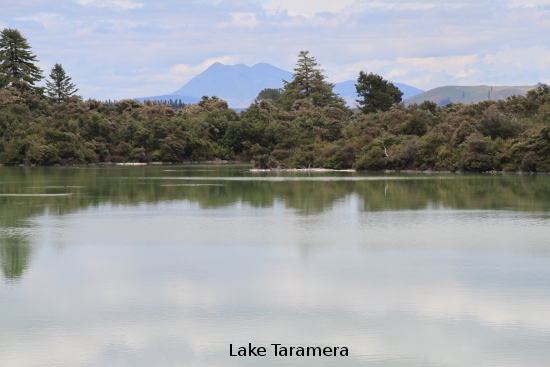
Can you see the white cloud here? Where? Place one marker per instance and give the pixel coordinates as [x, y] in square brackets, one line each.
[307, 8]
[46, 19]
[454, 66]
[424, 43]
[157, 82]
[517, 66]
[241, 19]
[393, 5]
[343, 72]
[420, 72]
[184, 72]
[414, 5]
[125, 4]
[528, 3]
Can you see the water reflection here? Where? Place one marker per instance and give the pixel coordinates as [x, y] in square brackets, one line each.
[27, 191]
[182, 305]
[15, 252]
[143, 266]
[32, 192]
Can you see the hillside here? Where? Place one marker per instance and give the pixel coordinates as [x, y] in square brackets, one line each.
[467, 94]
[240, 84]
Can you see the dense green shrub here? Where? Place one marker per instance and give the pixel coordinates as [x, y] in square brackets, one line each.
[507, 135]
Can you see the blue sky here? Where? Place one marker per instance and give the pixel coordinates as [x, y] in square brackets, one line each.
[131, 48]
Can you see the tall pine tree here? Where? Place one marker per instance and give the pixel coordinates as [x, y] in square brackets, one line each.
[60, 86]
[17, 62]
[309, 83]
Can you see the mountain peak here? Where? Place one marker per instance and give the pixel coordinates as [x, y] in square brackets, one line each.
[237, 84]
[240, 84]
[216, 65]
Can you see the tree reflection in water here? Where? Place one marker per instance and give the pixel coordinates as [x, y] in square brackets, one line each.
[27, 192]
[15, 254]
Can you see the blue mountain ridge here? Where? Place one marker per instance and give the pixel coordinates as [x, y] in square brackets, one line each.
[240, 84]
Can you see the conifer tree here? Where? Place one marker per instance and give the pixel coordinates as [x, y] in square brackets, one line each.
[309, 83]
[375, 93]
[17, 62]
[60, 88]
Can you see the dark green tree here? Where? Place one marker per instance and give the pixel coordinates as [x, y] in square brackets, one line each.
[309, 83]
[375, 93]
[17, 62]
[60, 86]
[540, 94]
[272, 94]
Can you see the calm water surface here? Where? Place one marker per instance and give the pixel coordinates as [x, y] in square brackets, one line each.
[168, 265]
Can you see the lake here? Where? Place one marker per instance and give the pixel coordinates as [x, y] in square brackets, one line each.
[169, 265]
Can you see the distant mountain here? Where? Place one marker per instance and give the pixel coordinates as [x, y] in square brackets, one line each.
[240, 84]
[467, 94]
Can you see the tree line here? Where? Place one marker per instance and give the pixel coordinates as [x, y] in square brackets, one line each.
[18, 69]
[304, 124]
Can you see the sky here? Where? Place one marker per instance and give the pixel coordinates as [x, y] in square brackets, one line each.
[115, 49]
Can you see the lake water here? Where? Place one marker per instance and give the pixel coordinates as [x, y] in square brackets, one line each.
[169, 265]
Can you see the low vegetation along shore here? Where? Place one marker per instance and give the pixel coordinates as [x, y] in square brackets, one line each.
[511, 135]
[301, 126]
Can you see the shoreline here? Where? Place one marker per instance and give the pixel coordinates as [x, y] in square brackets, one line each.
[315, 170]
[125, 164]
[301, 170]
[410, 171]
